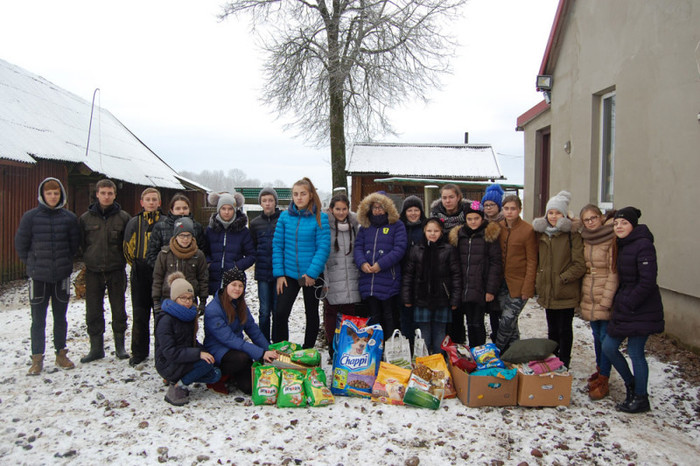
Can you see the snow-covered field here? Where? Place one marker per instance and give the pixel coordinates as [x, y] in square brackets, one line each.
[107, 411]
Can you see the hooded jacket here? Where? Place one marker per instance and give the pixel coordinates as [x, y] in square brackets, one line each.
[480, 260]
[229, 247]
[163, 231]
[519, 250]
[102, 240]
[262, 229]
[383, 243]
[560, 265]
[637, 307]
[416, 290]
[47, 239]
[341, 273]
[600, 281]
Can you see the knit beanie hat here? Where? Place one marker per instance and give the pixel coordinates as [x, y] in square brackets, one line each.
[232, 275]
[178, 285]
[412, 201]
[225, 199]
[631, 214]
[234, 199]
[560, 202]
[494, 193]
[474, 207]
[183, 225]
[268, 191]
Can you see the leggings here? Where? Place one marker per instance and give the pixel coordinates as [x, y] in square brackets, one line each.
[236, 365]
[559, 329]
[285, 301]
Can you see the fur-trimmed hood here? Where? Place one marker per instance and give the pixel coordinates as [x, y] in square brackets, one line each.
[491, 233]
[564, 224]
[366, 205]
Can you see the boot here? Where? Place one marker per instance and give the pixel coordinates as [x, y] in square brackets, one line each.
[63, 361]
[119, 350]
[220, 386]
[176, 396]
[592, 380]
[601, 389]
[97, 349]
[628, 397]
[638, 404]
[37, 364]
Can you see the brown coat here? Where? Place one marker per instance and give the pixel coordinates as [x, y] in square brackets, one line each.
[194, 268]
[600, 281]
[519, 249]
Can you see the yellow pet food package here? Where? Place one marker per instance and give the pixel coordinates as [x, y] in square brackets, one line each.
[437, 363]
[390, 385]
[317, 394]
[266, 383]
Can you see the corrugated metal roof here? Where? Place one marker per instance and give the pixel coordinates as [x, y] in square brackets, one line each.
[452, 161]
[40, 120]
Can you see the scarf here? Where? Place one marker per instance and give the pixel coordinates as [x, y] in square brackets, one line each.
[225, 223]
[379, 220]
[599, 235]
[183, 253]
[185, 314]
[550, 230]
[343, 226]
[431, 265]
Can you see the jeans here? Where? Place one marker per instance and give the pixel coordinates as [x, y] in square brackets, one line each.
[39, 295]
[511, 308]
[635, 350]
[433, 333]
[202, 372]
[267, 295]
[285, 301]
[95, 284]
[559, 329]
[141, 303]
[600, 332]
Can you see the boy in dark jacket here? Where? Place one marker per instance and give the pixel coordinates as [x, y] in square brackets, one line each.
[136, 236]
[46, 241]
[179, 357]
[102, 228]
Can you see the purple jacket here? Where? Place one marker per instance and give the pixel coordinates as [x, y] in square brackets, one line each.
[637, 307]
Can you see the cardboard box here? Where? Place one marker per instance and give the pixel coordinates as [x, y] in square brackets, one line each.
[476, 391]
[549, 389]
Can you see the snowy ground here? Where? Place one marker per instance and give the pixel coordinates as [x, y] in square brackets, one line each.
[107, 411]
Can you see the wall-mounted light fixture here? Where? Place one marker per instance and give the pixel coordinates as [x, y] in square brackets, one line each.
[544, 85]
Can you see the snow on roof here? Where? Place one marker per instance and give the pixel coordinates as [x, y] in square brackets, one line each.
[452, 161]
[39, 120]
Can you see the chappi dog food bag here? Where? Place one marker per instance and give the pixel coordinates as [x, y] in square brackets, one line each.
[356, 361]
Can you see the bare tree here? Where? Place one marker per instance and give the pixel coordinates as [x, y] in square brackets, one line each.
[339, 65]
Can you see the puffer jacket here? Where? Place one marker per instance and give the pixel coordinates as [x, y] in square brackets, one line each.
[480, 260]
[47, 239]
[103, 237]
[449, 221]
[519, 250]
[416, 290]
[341, 273]
[228, 248]
[194, 268]
[176, 346]
[163, 231]
[262, 229]
[221, 336]
[382, 242]
[560, 265]
[637, 307]
[300, 246]
[600, 281]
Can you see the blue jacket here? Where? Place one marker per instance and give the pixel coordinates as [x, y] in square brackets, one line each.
[220, 336]
[381, 241]
[262, 229]
[228, 248]
[300, 246]
[47, 239]
[176, 346]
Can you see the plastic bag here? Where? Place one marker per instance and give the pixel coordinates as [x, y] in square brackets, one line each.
[317, 394]
[291, 392]
[419, 347]
[266, 381]
[460, 356]
[436, 362]
[284, 347]
[390, 386]
[397, 350]
[487, 356]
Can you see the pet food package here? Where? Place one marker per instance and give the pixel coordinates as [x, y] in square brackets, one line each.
[317, 394]
[340, 318]
[436, 362]
[424, 391]
[419, 347]
[390, 385]
[291, 392]
[487, 356]
[266, 382]
[284, 347]
[308, 357]
[459, 355]
[397, 350]
[356, 359]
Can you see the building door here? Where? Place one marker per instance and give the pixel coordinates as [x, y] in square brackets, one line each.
[542, 164]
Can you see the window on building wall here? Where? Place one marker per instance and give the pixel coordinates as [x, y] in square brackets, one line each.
[607, 150]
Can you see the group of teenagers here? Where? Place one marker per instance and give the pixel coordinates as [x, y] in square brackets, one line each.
[404, 270]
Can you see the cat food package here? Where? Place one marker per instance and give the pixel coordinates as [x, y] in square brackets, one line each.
[487, 356]
[266, 382]
[284, 347]
[390, 385]
[291, 392]
[356, 360]
[424, 389]
[307, 357]
[317, 394]
[437, 363]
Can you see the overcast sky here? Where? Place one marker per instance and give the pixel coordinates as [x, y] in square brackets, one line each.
[188, 86]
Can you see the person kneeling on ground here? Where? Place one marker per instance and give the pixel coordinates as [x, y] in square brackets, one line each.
[180, 359]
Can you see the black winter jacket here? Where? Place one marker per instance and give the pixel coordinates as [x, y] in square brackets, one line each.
[163, 231]
[176, 347]
[415, 289]
[103, 237]
[262, 229]
[480, 260]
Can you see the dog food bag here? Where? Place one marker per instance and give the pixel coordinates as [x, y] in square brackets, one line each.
[284, 347]
[307, 357]
[437, 363]
[266, 382]
[291, 393]
[423, 393]
[487, 356]
[317, 394]
[356, 359]
[340, 318]
[390, 385]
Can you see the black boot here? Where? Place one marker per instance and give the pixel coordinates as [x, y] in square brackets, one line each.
[638, 404]
[97, 349]
[628, 397]
[119, 346]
